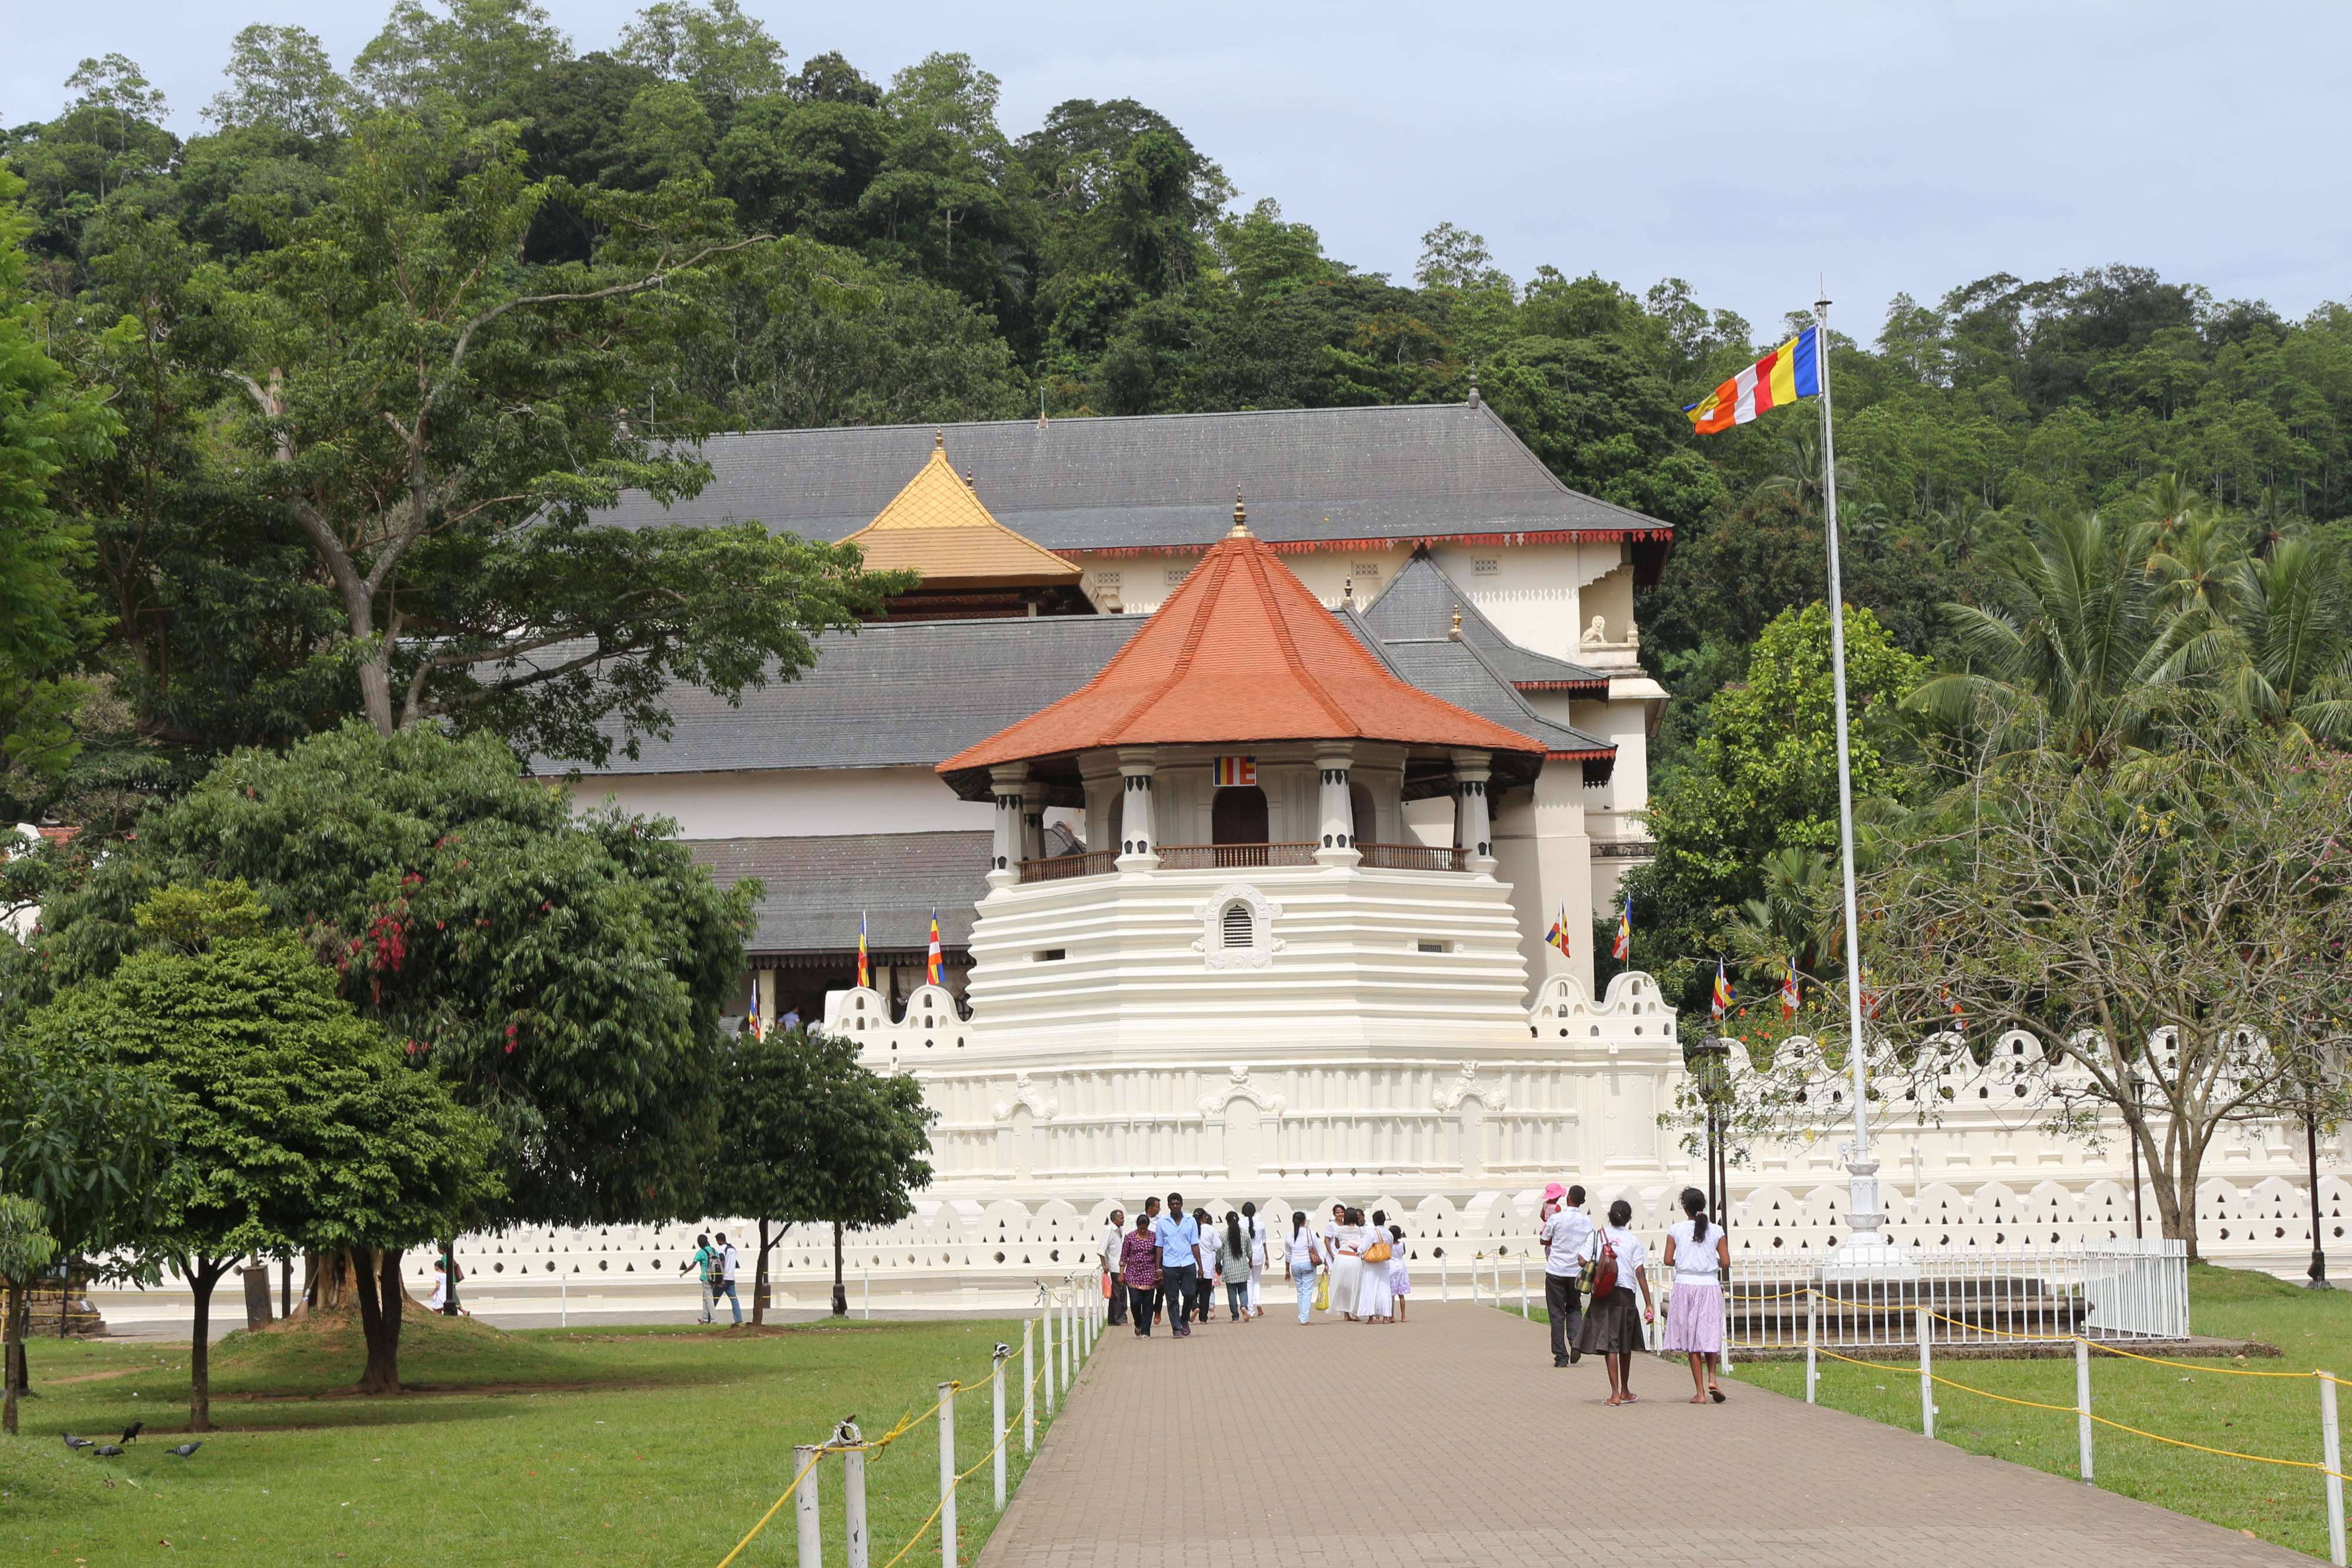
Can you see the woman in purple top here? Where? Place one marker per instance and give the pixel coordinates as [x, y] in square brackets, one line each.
[1139, 1274]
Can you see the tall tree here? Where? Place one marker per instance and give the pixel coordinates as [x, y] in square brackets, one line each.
[281, 77]
[297, 1122]
[24, 1250]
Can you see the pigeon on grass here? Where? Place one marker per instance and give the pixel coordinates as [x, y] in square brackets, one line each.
[186, 1450]
[108, 1450]
[76, 1443]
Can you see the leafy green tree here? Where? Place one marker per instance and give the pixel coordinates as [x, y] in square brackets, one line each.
[281, 78]
[88, 1143]
[116, 95]
[444, 450]
[296, 1121]
[478, 54]
[1762, 782]
[24, 1250]
[724, 56]
[45, 423]
[564, 976]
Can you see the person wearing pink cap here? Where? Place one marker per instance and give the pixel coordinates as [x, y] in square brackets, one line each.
[1566, 1234]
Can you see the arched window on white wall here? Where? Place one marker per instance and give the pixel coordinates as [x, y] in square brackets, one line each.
[1239, 929]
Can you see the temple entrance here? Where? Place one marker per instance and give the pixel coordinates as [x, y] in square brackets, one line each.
[1238, 816]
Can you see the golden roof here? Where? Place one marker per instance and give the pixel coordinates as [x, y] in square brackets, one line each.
[937, 526]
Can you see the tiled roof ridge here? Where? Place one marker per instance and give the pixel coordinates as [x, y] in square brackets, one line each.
[1290, 645]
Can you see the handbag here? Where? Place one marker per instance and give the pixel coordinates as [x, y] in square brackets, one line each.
[1110, 1286]
[1378, 1252]
[1601, 1273]
[1322, 1292]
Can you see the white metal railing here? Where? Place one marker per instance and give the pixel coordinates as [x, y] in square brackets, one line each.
[2095, 1289]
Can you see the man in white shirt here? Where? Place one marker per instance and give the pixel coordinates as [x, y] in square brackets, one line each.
[1566, 1235]
[1114, 1237]
[726, 1278]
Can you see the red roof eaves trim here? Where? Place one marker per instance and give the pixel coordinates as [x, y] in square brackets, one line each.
[1559, 685]
[1416, 541]
[1602, 755]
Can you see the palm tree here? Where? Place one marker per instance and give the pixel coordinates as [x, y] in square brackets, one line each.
[2292, 639]
[2093, 649]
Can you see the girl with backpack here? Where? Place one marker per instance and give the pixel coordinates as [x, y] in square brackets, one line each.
[1613, 1269]
[1698, 1250]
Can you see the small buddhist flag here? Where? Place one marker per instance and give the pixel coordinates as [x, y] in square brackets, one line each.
[1791, 995]
[931, 963]
[1789, 372]
[1723, 993]
[1558, 935]
[1622, 948]
[759, 1025]
[1236, 770]
[862, 981]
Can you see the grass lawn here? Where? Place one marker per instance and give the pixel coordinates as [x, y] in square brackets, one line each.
[2277, 1417]
[592, 1445]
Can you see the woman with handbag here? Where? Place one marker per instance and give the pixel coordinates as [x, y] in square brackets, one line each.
[1699, 1251]
[1372, 1294]
[1346, 1240]
[1611, 1330]
[1304, 1262]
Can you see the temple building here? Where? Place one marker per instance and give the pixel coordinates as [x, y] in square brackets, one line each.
[1433, 541]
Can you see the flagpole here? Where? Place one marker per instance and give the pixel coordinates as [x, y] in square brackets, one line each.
[1864, 1218]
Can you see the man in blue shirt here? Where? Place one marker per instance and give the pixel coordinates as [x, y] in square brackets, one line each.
[1178, 1235]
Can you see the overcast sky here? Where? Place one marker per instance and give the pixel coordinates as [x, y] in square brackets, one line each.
[1746, 148]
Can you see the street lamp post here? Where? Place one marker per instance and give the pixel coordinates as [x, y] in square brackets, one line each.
[2319, 1280]
[2139, 1118]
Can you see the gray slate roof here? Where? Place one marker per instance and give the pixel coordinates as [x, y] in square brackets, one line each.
[1421, 603]
[910, 694]
[1411, 636]
[1405, 471]
[816, 886]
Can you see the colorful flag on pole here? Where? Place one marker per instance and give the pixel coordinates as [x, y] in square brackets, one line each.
[1792, 996]
[1235, 770]
[862, 982]
[1622, 948]
[1558, 935]
[931, 963]
[1723, 993]
[1789, 372]
[759, 1025]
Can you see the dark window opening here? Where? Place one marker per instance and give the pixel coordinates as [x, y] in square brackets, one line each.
[1239, 816]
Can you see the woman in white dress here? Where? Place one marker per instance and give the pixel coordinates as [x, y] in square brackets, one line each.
[1373, 1293]
[1346, 1237]
[1699, 1251]
[1400, 1272]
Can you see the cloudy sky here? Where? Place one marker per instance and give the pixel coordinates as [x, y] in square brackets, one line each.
[1747, 148]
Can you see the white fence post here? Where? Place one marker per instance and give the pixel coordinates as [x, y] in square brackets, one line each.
[853, 1505]
[2332, 1451]
[1053, 1355]
[947, 1476]
[805, 1465]
[1523, 1287]
[1028, 1390]
[1812, 1343]
[1927, 1380]
[996, 1399]
[869, 1274]
[1070, 1338]
[1445, 1277]
[2082, 1405]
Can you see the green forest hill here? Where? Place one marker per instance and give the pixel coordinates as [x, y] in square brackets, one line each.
[934, 268]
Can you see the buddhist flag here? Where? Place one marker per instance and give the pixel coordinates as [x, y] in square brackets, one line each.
[1723, 993]
[1791, 995]
[1789, 372]
[931, 963]
[862, 983]
[1558, 935]
[759, 1025]
[1235, 770]
[1622, 948]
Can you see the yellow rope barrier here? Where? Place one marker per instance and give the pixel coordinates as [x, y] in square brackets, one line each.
[771, 1511]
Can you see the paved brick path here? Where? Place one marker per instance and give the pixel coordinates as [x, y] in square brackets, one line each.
[1451, 1439]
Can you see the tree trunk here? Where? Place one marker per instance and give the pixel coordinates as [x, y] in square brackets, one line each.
[203, 1274]
[12, 1334]
[760, 1281]
[375, 690]
[840, 1291]
[376, 1275]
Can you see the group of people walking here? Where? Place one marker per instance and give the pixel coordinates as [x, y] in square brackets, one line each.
[1594, 1274]
[1167, 1263]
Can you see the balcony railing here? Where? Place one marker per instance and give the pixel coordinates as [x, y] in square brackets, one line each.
[1222, 857]
[1097, 862]
[1413, 857]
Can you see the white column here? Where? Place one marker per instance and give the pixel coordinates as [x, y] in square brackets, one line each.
[1007, 781]
[1033, 819]
[765, 979]
[1471, 830]
[1138, 840]
[1337, 811]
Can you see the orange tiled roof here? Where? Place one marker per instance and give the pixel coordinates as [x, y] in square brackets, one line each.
[937, 526]
[1241, 652]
